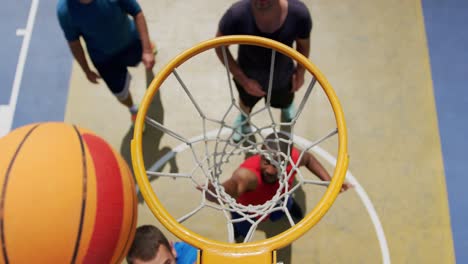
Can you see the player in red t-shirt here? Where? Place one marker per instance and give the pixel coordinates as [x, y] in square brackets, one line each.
[256, 180]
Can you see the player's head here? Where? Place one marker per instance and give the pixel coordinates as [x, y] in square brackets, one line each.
[150, 246]
[263, 4]
[275, 151]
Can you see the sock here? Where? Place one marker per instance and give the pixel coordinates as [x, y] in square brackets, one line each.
[133, 109]
[243, 117]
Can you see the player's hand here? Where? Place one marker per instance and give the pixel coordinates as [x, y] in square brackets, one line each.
[208, 196]
[346, 186]
[148, 59]
[252, 87]
[92, 76]
[297, 80]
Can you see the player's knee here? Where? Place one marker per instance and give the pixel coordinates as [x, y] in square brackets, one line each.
[123, 95]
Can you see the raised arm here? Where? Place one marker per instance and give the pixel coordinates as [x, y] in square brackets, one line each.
[241, 181]
[314, 166]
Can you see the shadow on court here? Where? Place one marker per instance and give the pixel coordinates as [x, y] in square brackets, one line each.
[272, 229]
[152, 151]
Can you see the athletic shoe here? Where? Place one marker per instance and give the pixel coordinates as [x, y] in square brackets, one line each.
[134, 113]
[133, 117]
[241, 128]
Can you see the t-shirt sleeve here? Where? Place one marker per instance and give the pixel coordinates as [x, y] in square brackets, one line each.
[130, 6]
[304, 22]
[186, 254]
[295, 154]
[70, 31]
[227, 23]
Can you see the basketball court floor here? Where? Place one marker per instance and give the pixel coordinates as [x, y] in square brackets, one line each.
[396, 68]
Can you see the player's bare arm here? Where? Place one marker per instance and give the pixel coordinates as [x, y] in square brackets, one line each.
[79, 55]
[303, 47]
[314, 166]
[251, 86]
[242, 181]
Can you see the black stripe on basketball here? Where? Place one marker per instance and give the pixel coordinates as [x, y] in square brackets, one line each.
[3, 195]
[83, 200]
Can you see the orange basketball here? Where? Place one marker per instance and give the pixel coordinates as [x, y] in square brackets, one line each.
[65, 197]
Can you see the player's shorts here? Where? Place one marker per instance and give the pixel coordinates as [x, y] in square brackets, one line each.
[280, 98]
[114, 70]
[242, 228]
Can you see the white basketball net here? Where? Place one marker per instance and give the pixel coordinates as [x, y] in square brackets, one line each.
[211, 163]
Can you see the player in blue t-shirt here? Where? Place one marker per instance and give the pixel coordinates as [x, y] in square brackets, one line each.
[150, 246]
[114, 41]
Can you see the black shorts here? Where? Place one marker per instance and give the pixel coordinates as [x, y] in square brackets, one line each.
[280, 98]
[114, 70]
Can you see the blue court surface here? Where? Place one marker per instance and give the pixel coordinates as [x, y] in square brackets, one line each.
[35, 62]
[36, 67]
[447, 37]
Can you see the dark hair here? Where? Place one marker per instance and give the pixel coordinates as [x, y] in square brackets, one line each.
[147, 240]
[277, 142]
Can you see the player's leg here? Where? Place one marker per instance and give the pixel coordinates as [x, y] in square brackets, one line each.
[131, 57]
[246, 103]
[293, 208]
[117, 79]
[283, 98]
[240, 228]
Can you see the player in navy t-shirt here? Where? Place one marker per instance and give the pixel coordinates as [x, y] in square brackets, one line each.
[286, 21]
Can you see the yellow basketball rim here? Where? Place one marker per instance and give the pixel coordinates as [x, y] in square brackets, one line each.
[253, 252]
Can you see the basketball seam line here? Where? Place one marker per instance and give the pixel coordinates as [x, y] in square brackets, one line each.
[83, 203]
[5, 185]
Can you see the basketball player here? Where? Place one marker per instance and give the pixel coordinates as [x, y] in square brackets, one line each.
[256, 180]
[113, 40]
[286, 21]
[150, 246]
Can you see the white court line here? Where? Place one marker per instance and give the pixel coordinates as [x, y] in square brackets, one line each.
[7, 111]
[20, 32]
[361, 193]
[319, 151]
